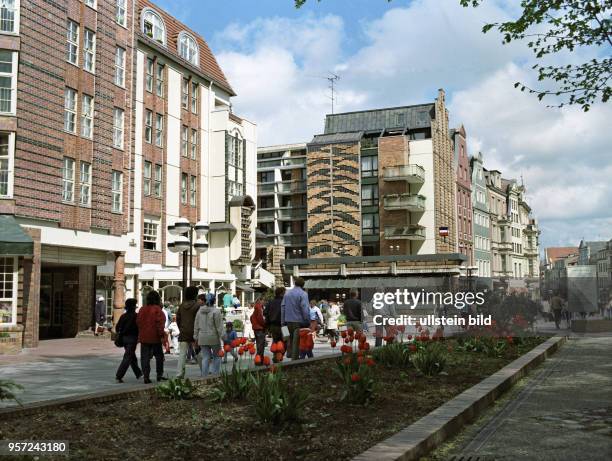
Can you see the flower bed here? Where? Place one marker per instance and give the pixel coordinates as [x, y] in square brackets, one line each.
[346, 405]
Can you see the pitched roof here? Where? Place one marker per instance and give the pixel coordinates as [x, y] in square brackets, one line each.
[416, 116]
[555, 253]
[208, 63]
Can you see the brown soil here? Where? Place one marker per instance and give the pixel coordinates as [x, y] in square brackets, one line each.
[149, 428]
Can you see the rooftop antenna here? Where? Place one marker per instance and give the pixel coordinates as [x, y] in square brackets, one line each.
[332, 78]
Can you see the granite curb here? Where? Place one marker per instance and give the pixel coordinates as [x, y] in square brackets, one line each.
[445, 421]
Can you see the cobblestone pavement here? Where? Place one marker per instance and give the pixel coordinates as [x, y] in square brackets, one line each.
[561, 411]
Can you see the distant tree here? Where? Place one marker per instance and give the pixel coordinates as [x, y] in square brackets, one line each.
[553, 26]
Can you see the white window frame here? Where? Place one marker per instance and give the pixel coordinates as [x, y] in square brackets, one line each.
[195, 91]
[149, 73]
[70, 109]
[159, 79]
[159, 130]
[11, 301]
[158, 174]
[117, 191]
[191, 54]
[185, 93]
[193, 190]
[156, 225]
[147, 14]
[72, 42]
[89, 51]
[87, 102]
[185, 141]
[12, 75]
[184, 186]
[121, 13]
[148, 131]
[194, 144]
[16, 20]
[120, 66]
[68, 174]
[85, 183]
[9, 157]
[147, 172]
[118, 128]
[91, 3]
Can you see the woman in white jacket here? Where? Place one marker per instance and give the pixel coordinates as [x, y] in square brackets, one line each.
[333, 314]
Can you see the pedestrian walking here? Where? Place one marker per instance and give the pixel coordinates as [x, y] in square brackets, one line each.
[127, 329]
[151, 322]
[295, 314]
[174, 331]
[208, 334]
[556, 304]
[316, 316]
[230, 336]
[333, 314]
[353, 312]
[272, 315]
[99, 315]
[258, 324]
[247, 329]
[185, 318]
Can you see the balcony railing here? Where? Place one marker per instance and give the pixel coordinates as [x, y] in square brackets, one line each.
[290, 214]
[414, 174]
[407, 202]
[405, 232]
[266, 188]
[292, 239]
[283, 162]
[267, 214]
[291, 187]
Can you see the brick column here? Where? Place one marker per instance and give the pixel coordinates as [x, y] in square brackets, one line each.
[31, 292]
[119, 287]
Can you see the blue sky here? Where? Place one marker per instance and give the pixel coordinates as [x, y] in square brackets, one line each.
[401, 52]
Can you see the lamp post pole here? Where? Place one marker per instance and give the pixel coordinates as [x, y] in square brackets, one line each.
[183, 230]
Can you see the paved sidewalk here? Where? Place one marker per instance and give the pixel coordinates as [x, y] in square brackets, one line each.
[68, 367]
[561, 411]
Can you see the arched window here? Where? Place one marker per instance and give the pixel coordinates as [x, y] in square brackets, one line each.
[153, 26]
[188, 48]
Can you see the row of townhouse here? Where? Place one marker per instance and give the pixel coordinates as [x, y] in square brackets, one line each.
[388, 185]
[115, 122]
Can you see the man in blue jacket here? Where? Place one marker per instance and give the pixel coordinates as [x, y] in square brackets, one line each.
[295, 314]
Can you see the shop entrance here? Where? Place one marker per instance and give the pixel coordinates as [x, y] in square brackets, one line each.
[51, 304]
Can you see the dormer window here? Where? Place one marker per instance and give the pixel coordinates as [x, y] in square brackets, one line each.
[153, 26]
[188, 48]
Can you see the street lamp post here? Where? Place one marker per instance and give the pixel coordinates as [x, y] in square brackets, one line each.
[184, 243]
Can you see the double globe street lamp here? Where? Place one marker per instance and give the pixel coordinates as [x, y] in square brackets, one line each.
[184, 231]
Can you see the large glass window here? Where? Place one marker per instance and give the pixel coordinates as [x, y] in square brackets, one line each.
[9, 14]
[184, 140]
[159, 130]
[148, 169]
[68, 180]
[85, 196]
[8, 79]
[185, 94]
[188, 48]
[370, 224]
[89, 51]
[184, 179]
[193, 190]
[153, 26]
[72, 43]
[195, 90]
[117, 191]
[149, 75]
[6, 164]
[120, 66]
[87, 111]
[369, 166]
[8, 290]
[159, 81]
[369, 195]
[118, 128]
[157, 182]
[121, 13]
[194, 144]
[148, 132]
[70, 110]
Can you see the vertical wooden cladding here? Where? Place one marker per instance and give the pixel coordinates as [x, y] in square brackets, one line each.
[41, 142]
[333, 199]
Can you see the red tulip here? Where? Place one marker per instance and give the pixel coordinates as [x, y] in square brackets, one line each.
[273, 347]
[251, 350]
[355, 377]
[350, 330]
[343, 334]
[333, 344]
[235, 343]
[280, 347]
[227, 348]
[409, 337]
[266, 360]
[241, 351]
[370, 362]
[220, 353]
[257, 359]
[278, 356]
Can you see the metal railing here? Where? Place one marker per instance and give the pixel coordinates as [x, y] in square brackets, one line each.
[411, 173]
[408, 202]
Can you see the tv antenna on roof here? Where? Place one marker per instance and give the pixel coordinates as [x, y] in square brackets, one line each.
[332, 78]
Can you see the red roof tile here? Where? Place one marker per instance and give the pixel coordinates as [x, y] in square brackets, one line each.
[208, 63]
[555, 253]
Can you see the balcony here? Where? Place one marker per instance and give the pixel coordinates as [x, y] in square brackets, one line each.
[412, 232]
[291, 214]
[283, 163]
[266, 214]
[414, 174]
[291, 187]
[408, 202]
[292, 239]
[266, 188]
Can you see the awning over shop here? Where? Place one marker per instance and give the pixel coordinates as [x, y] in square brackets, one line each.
[14, 241]
[245, 288]
[371, 282]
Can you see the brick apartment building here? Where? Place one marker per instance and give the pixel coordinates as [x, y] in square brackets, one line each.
[115, 121]
[464, 195]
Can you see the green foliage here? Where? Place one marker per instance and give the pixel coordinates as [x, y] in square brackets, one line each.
[233, 385]
[488, 345]
[393, 355]
[175, 389]
[357, 380]
[514, 314]
[275, 402]
[557, 26]
[430, 359]
[238, 325]
[7, 390]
